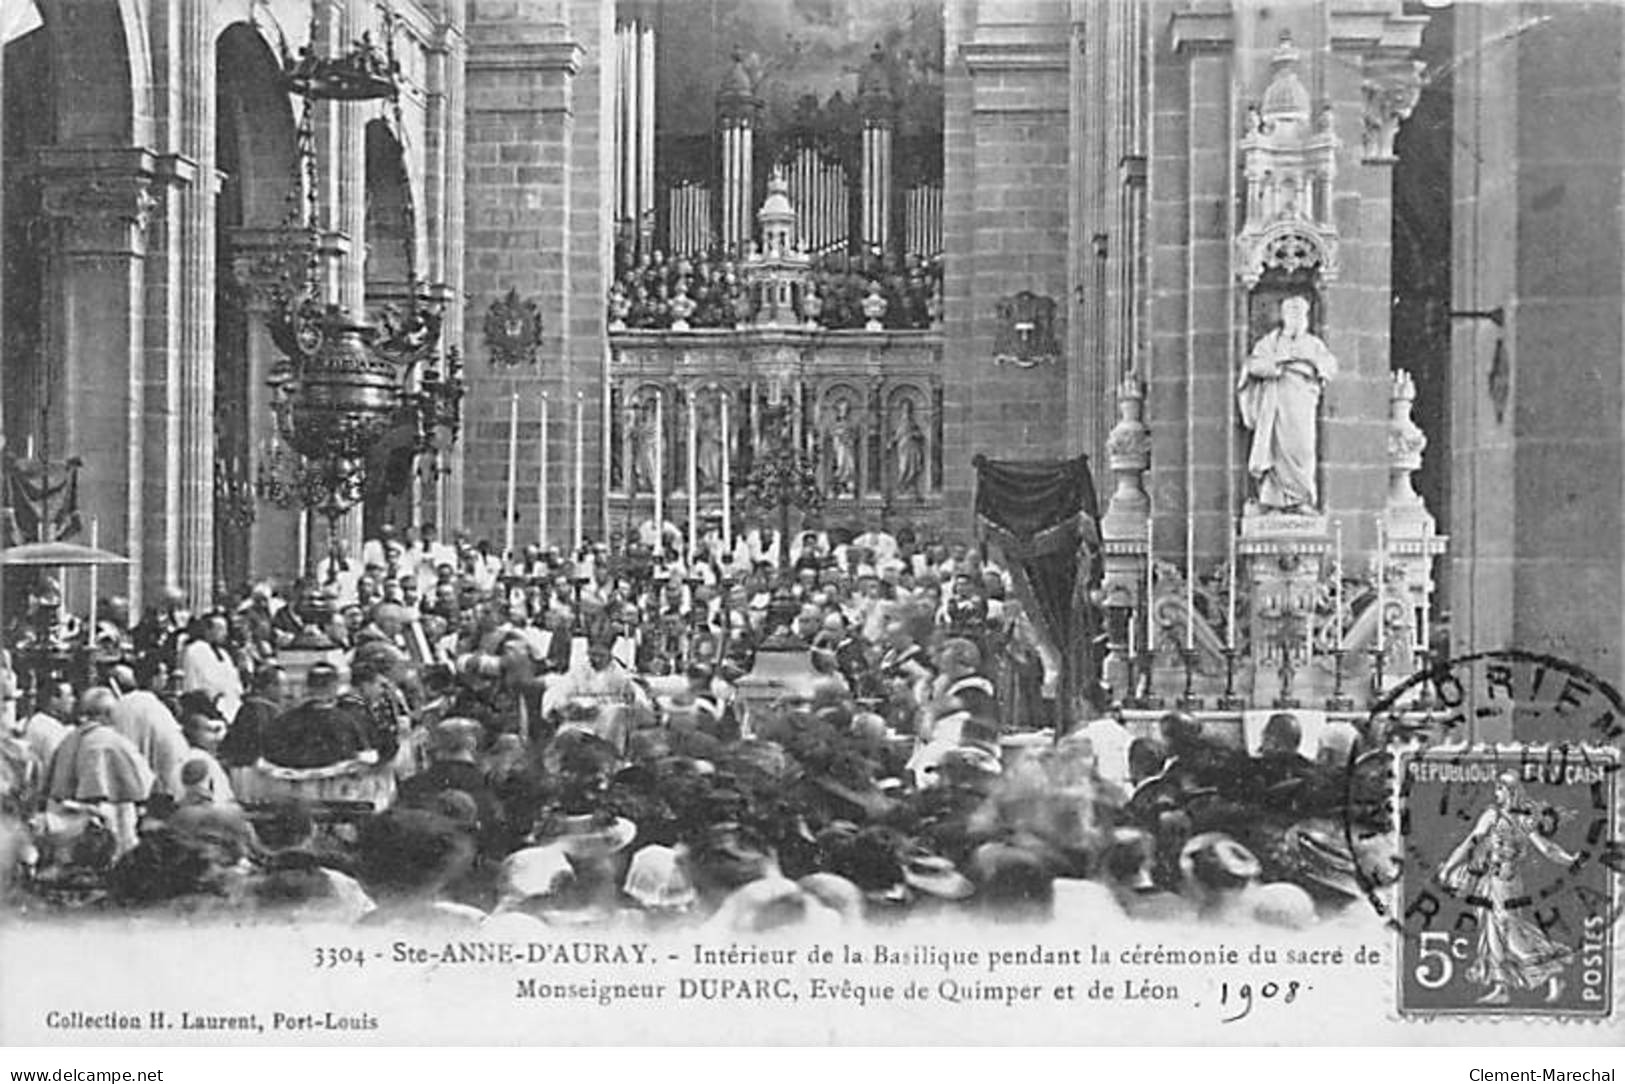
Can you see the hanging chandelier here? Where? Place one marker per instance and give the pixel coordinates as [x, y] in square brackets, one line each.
[364, 73]
[343, 381]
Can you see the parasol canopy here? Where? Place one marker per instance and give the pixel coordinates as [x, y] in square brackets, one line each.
[58, 555]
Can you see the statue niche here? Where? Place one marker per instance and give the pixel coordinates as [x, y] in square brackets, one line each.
[1278, 391]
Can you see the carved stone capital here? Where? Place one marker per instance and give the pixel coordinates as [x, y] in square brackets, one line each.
[1391, 86]
[100, 197]
[262, 257]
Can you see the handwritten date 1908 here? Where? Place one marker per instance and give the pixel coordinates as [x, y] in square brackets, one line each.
[327, 957]
[1241, 997]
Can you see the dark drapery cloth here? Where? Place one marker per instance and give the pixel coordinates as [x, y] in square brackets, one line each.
[40, 510]
[1043, 516]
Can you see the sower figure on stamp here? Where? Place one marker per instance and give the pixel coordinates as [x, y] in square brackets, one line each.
[1279, 395]
[1513, 952]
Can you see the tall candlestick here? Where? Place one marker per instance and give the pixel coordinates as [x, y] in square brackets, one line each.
[1382, 568]
[580, 480]
[693, 479]
[1230, 601]
[1337, 584]
[1150, 585]
[95, 579]
[513, 477]
[541, 480]
[1422, 632]
[660, 473]
[1190, 582]
[727, 481]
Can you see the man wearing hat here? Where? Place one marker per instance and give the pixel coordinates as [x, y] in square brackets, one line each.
[963, 708]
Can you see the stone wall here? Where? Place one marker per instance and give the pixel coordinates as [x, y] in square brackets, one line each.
[1538, 433]
[538, 223]
[1006, 146]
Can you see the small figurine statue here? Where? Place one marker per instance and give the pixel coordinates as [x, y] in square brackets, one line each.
[812, 306]
[682, 307]
[619, 308]
[874, 307]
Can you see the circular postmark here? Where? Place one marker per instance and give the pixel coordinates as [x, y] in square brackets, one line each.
[1482, 814]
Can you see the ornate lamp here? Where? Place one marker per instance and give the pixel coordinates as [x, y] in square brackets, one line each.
[344, 382]
[365, 73]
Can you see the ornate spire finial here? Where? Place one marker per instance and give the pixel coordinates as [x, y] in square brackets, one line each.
[1285, 52]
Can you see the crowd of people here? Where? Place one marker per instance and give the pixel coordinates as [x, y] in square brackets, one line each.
[437, 733]
[710, 290]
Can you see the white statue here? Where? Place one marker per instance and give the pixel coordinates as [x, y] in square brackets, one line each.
[1279, 395]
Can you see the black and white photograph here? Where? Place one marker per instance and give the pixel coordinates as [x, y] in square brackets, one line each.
[812, 522]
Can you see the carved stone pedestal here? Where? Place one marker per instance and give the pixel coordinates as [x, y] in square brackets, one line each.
[1281, 557]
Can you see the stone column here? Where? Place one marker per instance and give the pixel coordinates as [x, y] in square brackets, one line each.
[1538, 411]
[100, 201]
[257, 256]
[456, 46]
[1006, 129]
[521, 118]
[1371, 80]
[193, 135]
[341, 157]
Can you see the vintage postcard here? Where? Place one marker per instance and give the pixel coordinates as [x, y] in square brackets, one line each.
[741, 522]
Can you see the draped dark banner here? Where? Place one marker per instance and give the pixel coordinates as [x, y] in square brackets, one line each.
[1044, 518]
[39, 510]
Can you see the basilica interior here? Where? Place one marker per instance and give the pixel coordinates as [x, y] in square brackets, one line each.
[600, 260]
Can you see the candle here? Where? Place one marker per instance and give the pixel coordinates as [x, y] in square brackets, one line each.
[1150, 631]
[513, 477]
[693, 479]
[541, 478]
[727, 481]
[660, 474]
[1382, 561]
[442, 487]
[1190, 582]
[1337, 583]
[95, 577]
[581, 425]
[1423, 613]
[1230, 605]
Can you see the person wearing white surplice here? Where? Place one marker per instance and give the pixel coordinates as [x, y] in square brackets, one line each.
[1279, 396]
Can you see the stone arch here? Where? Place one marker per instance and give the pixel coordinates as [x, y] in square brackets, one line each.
[102, 72]
[391, 235]
[389, 272]
[257, 155]
[30, 124]
[258, 140]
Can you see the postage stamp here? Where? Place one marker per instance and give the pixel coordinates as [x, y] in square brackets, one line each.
[1506, 891]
